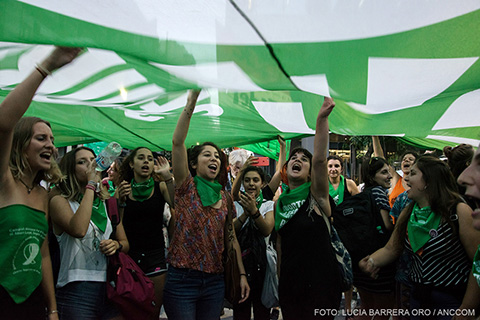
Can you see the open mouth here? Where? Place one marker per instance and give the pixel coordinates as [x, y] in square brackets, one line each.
[296, 167]
[145, 168]
[46, 155]
[473, 201]
[213, 167]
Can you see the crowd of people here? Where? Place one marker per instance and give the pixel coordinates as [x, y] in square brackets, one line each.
[429, 212]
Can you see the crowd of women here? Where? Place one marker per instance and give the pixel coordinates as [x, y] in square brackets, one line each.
[433, 230]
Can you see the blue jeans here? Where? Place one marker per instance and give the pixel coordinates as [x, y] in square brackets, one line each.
[433, 300]
[85, 300]
[193, 295]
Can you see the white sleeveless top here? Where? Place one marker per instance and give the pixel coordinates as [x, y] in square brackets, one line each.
[79, 260]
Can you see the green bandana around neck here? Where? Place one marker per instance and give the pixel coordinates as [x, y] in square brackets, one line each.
[476, 266]
[422, 226]
[289, 202]
[337, 195]
[99, 213]
[209, 192]
[142, 191]
[259, 200]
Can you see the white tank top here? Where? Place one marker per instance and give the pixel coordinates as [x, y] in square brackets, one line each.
[79, 260]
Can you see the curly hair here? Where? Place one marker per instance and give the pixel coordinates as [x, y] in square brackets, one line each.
[194, 152]
[125, 172]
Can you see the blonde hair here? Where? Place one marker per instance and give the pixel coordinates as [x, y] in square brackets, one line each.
[22, 135]
[69, 187]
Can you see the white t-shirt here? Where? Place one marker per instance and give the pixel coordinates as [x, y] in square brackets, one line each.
[266, 207]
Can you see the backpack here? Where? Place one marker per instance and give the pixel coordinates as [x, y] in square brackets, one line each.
[360, 226]
[127, 285]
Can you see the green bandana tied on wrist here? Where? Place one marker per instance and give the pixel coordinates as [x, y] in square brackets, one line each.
[476, 266]
[337, 195]
[422, 225]
[141, 191]
[209, 192]
[289, 202]
[99, 213]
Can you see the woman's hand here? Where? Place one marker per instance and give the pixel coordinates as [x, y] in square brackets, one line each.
[92, 174]
[123, 191]
[326, 108]
[248, 203]
[162, 168]
[367, 265]
[245, 289]
[60, 57]
[108, 247]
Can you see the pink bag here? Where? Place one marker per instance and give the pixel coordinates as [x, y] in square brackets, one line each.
[127, 285]
[129, 288]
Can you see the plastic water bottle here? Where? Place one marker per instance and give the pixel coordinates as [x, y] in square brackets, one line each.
[108, 155]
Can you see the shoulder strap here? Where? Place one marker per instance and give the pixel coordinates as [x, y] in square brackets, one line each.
[228, 229]
[112, 211]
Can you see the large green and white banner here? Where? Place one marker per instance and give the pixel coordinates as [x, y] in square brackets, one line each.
[406, 68]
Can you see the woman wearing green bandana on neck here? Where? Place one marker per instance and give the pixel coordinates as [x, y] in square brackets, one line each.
[82, 227]
[436, 231]
[309, 274]
[143, 201]
[27, 158]
[195, 287]
[253, 224]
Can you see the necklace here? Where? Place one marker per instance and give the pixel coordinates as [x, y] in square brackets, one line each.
[29, 189]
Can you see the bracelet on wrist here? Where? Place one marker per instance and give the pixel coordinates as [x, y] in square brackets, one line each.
[168, 180]
[44, 72]
[256, 215]
[51, 312]
[91, 187]
[371, 262]
[120, 246]
[243, 274]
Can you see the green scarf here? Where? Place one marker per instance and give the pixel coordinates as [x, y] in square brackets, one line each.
[476, 266]
[23, 231]
[259, 200]
[422, 224]
[99, 214]
[209, 192]
[111, 188]
[141, 191]
[337, 195]
[289, 202]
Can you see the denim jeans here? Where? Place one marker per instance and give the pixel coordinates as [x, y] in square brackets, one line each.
[433, 300]
[193, 295]
[85, 300]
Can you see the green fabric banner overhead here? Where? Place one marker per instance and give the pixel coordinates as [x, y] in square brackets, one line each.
[402, 68]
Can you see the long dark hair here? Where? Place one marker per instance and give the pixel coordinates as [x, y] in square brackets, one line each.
[370, 167]
[441, 188]
[193, 153]
[125, 172]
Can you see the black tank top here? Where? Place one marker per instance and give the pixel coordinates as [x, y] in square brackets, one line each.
[143, 222]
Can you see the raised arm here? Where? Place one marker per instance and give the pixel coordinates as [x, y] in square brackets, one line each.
[179, 151]
[17, 102]
[277, 177]
[377, 147]
[378, 152]
[319, 173]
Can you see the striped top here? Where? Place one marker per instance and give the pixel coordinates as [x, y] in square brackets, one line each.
[443, 262]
